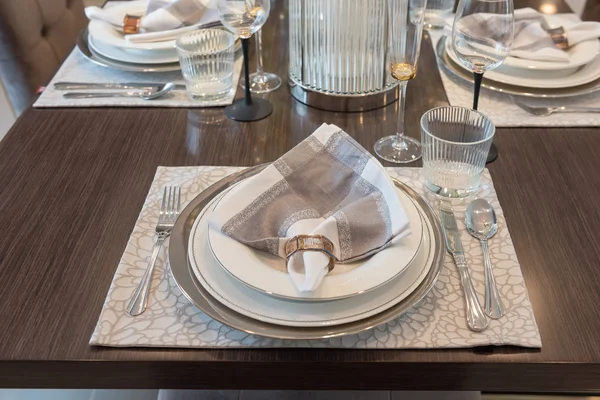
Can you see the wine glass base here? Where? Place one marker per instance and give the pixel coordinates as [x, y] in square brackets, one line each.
[405, 151]
[493, 154]
[263, 82]
[240, 111]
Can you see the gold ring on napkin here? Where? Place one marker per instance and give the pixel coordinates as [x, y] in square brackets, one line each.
[559, 37]
[310, 243]
[131, 24]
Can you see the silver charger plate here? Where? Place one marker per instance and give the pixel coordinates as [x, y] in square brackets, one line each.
[194, 292]
[452, 69]
[98, 59]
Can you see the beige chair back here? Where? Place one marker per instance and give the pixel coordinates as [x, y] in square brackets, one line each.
[35, 38]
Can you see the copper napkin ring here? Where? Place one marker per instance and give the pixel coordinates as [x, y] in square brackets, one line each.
[131, 24]
[312, 243]
[559, 37]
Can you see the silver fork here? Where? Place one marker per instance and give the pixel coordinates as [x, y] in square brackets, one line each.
[545, 111]
[169, 211]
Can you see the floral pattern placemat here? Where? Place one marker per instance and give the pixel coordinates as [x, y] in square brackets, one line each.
[438, 322]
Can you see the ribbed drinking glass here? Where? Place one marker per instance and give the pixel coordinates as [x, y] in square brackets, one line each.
[206, 57]
[455, 144]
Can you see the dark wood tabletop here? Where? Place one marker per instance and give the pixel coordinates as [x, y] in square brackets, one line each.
[72, 182]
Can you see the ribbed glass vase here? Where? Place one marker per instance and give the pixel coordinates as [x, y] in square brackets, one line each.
[340, 47]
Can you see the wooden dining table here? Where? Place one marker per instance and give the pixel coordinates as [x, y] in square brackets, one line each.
[73, 180]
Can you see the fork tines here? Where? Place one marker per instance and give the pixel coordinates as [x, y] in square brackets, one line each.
[170, 206]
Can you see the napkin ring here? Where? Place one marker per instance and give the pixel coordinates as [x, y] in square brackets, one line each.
[310, 243]
[559, 37]
[131, 24]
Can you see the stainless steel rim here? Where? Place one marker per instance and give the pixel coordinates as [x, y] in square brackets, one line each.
[342, 103]
[449, 67]
[194, 292]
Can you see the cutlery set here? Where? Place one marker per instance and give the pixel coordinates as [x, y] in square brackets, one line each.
[144, 91]
[480, 220]
[482, 224]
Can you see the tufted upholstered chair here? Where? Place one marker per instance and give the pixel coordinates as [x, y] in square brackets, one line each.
[591, 11]
[35, 38]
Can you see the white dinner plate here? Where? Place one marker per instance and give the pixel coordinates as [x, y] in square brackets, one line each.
[251, 303]
[579, 55]
[267, 273]
[115, 53]
[586, 74]
[104, 32]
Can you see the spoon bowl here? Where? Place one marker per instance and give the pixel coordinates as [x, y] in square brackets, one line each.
[481, 219]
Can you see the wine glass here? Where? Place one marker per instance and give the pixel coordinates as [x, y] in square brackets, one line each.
[406, 22]
[244, 18]
[261, 81]
[482, 35]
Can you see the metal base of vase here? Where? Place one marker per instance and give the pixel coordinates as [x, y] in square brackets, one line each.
[342, 103]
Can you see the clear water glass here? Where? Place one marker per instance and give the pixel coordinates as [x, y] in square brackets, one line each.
[206, 57]
[436, 13]
[455, 144]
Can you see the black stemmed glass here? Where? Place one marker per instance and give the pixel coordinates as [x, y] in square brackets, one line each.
[482, 35]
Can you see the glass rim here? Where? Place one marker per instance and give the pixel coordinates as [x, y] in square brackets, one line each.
[196, 32]
[491, 137]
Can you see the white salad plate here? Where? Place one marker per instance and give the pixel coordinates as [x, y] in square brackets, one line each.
[267, 273]
[581, 76]
[260, 306]
[581, 54]
[116, 53]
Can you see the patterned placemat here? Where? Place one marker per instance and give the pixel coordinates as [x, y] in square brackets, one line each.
[438, 322]
[77, 68]
[504, 113]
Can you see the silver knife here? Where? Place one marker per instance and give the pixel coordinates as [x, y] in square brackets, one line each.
[476, 319]
[126, 85]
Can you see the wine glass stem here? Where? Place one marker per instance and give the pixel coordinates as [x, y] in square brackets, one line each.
[259, 60]
[400, 143]
[478, 78]
[247, 97]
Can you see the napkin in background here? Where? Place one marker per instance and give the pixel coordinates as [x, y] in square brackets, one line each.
[160, 15]
[328, 185]
[531, 41]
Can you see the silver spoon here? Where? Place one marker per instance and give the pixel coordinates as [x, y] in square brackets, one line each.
[482, 223]
[545, 111]
[145, 95]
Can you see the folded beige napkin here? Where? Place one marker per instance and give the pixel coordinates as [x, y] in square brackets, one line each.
[161, 15]
[531, 39]
[327, 185]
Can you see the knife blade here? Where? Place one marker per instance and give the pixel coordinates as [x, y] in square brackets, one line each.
[476, 319]
[126, 85]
